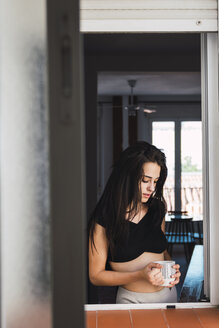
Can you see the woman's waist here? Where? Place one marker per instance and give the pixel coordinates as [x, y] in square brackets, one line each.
[142, 286]
[138, 263]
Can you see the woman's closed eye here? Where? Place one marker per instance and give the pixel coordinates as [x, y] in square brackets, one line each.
[146, 181]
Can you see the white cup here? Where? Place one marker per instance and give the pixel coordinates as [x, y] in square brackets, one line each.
[167, 271]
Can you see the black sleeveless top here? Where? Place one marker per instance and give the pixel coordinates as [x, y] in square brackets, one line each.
[142, 238]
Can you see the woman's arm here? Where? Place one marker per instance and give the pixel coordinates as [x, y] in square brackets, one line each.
[166, 254]
[97, 263]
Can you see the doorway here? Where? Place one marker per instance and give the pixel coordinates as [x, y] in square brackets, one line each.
[166, 68]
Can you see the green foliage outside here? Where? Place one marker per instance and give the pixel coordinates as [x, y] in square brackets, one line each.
[187, 165]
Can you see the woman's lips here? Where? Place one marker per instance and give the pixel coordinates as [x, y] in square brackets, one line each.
[146, 195]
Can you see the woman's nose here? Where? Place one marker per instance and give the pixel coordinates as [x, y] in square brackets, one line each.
[151, 186]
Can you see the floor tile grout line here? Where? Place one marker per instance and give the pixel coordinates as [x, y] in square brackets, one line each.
[165, 318]
[130, 315]
[201, 323]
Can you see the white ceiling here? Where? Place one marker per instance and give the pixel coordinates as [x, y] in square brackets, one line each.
[150, 83]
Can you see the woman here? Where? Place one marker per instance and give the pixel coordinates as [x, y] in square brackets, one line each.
[126, 229]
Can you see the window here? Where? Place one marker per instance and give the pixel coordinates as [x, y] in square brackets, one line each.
[183, 188]
[191, 168]
[163, 137]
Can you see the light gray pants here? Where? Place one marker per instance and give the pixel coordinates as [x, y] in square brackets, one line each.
[165, 295]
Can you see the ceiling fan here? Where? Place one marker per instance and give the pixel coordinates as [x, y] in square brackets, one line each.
[133, 108]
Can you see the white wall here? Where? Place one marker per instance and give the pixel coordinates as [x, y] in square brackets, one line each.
[24, 178]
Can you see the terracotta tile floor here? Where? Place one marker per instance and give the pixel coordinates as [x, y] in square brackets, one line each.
[170, 318]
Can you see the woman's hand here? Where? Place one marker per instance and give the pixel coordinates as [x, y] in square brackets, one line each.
[153, 274]
[176, 275]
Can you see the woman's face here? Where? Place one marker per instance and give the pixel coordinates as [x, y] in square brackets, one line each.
[150, 177]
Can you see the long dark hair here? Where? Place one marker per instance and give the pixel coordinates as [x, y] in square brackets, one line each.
[122, 192]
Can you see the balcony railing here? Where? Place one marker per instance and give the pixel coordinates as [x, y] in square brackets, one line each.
[191, 194]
